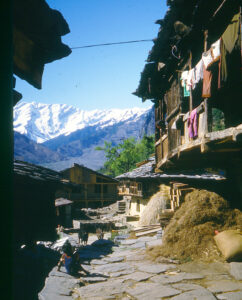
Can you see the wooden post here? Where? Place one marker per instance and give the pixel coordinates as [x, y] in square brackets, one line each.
[207, 106]
[205, 116]
[207, 123]
[190, 67]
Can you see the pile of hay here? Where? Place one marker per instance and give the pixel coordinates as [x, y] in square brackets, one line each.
[189, 235]
[157, 202]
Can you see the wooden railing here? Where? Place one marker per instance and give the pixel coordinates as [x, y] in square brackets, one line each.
[132, 191]
[173, 140]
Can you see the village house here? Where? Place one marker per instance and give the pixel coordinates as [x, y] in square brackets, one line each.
[31, 38]
[143, 184]
[193, 76]
[96, 190]
[137, 186]
[36, 210]
[35, 35]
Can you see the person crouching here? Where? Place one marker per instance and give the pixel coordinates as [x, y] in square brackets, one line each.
[70, 260]
[66, 258]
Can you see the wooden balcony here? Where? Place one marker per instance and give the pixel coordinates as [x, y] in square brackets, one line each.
[130, 191]
[180, 151]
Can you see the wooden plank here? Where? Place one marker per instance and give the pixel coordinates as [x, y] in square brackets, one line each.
[173, 113]
[145, 228]
[158, 142]
[147, 232]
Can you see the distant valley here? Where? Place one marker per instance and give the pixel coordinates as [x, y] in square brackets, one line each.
[57, 135]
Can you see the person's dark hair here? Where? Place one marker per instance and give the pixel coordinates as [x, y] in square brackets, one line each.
[67, 248]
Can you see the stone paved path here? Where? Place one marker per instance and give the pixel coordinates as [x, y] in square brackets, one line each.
[123, 272]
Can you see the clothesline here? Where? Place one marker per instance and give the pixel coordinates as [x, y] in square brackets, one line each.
[114, 43]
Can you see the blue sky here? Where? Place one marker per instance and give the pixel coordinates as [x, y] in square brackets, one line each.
[100, 77]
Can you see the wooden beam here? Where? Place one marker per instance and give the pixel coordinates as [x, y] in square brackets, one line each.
[190, 98]
[173, 113]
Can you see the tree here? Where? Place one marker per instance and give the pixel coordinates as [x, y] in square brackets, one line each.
[123, 157]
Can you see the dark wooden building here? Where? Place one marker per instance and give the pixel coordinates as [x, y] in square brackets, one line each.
[193, 76]
[36, 40]
[35, 190]
[97, 190]
[31, 38]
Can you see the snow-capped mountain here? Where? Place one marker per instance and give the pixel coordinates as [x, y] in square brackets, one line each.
[42, 122]
[73, 134]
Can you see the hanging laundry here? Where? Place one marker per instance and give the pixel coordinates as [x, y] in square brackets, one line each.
[207, 58]
[184, 77]
[190, 78]
[193, 124]
[198, 72]
[230, 58]
[207, 80]
[231, 34]
[215, 50]
[186, 93]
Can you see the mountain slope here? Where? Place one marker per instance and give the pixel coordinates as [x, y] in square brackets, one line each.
[27, 150]
[42, 122]
[72, 134]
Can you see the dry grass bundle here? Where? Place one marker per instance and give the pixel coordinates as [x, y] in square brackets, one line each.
[189, 235]
[157, 202]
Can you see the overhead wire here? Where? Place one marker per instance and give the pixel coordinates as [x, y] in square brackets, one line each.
[109, 44]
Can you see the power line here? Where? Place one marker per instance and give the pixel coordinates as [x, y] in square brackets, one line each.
[109, 44]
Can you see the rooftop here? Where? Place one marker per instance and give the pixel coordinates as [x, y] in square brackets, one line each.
[147, 171]
[37, 172]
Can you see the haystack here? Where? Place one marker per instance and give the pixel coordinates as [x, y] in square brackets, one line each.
[189, 235]
[156, 202]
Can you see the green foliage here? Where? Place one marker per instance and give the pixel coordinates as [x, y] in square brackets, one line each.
[218, 120]
[124, 156]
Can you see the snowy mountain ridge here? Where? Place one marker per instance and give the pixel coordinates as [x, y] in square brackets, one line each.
[42, 122]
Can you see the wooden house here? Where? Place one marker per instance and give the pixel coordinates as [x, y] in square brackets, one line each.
[97, 190]
[193, 76]
[139, 185]
[34, 210]
[32, 38]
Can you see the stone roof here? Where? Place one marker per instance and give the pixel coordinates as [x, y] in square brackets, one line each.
[146, 171]
[37, 172]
